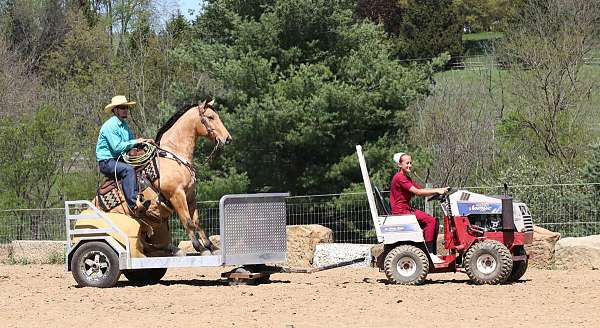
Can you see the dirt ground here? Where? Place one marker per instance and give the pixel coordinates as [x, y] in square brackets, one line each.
[46, 296]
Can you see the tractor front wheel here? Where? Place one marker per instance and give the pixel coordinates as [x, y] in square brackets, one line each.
[488, 262]
[406, 265]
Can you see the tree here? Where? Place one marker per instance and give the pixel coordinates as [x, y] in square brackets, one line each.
[424, 29]
[299, 87]
[35, 153]
[552, 87]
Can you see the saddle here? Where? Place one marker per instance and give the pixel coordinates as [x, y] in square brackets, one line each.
[109, 195]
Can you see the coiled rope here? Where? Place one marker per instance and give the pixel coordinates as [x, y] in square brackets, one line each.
[149, 150]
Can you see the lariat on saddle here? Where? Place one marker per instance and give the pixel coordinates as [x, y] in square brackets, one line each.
[140, 155]
[143, 159]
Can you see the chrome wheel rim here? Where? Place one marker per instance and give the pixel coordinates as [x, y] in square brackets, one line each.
[486, 264]
[406, 266]
[95, 265]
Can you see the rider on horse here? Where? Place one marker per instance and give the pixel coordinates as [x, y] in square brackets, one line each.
[114, 139]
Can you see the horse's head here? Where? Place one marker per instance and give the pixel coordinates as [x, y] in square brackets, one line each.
[212, 127]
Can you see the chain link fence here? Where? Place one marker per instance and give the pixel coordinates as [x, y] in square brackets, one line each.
[572, 210]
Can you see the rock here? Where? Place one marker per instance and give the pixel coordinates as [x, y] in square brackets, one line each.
[578, 253]
[541, 250]
[302, 241]
[332, 253]
[38, 251]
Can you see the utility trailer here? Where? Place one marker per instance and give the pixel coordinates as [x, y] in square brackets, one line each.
[100, 246]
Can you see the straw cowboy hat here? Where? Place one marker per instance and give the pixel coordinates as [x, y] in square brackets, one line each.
[118, 101]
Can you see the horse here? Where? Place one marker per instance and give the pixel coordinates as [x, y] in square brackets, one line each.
[175, 187]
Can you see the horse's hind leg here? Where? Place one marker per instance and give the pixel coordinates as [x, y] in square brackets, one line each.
[178, 200]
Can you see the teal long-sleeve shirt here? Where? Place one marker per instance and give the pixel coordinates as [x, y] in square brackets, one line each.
[114, 138]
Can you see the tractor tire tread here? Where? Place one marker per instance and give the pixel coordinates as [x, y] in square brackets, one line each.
[503, 257]
[418, 255]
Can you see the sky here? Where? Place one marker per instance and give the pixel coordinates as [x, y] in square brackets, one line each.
[184, 5]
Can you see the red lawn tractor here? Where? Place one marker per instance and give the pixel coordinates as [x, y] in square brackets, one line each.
[485, 237]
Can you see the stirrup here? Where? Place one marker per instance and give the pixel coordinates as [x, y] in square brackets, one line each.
[435, 259]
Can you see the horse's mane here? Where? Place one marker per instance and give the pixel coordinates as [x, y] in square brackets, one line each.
[172, 121]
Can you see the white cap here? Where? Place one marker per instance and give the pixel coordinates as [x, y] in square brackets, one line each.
[397, 157]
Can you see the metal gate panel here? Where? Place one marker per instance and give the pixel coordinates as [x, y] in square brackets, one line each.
[253, 228]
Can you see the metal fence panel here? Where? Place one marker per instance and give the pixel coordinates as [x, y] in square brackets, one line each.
[571, 210]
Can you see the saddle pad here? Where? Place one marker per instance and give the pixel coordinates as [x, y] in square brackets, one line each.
[110, 196]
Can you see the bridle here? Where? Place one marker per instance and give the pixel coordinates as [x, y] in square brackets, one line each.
[210, 130]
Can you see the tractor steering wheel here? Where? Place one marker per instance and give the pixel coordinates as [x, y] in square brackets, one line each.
[440, 197]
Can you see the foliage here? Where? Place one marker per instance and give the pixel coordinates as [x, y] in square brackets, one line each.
[488, 15]
[38, 156]
[301, 85]
[546, 52]
[423, 29]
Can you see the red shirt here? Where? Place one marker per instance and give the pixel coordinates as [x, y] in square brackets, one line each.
[400, 195]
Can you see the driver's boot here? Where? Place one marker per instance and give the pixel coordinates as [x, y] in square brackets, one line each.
[431, 248]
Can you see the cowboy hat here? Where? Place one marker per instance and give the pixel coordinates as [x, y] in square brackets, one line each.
[118, 101]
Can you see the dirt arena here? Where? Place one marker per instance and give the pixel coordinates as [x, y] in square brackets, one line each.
[46, 296]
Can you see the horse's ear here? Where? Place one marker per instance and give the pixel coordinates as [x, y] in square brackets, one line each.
[211, 103]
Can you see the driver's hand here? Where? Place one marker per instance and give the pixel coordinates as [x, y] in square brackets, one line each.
[443, 190]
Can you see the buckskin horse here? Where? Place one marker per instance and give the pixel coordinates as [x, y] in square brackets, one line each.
[175, 187]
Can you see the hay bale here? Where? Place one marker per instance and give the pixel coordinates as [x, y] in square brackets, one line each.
[302, 241]
[578, 253]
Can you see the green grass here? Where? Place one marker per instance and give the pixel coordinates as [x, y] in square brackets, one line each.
[481, 36]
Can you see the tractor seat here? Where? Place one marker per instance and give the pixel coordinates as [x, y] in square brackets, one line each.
[383, 207]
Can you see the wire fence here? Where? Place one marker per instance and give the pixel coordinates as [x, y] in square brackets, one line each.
[572, 210]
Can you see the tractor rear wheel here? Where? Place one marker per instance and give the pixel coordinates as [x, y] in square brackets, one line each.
[488, 262]
[145, 276]
[519, 267]
[406, 265]
[95, 264]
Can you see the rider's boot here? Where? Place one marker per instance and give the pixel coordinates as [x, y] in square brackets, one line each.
[139, 210]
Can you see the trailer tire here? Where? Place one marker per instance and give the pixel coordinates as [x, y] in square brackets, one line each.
[95, 264]
[488, 262]
[145, 276]
[519, 267]
[406, 265]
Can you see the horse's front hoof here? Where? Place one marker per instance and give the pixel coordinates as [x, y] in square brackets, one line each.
[197, 246]
[216, 252]
[205, 252]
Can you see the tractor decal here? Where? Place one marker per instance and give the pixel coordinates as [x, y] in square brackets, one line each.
[399, 228]
[466, 208]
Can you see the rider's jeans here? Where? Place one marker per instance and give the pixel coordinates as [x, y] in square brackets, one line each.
[126, 173]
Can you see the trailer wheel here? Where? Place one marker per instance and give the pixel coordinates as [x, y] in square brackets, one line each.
[145, 276]
[406, 265]
[519, 267]
[95, 264]
[488, 262]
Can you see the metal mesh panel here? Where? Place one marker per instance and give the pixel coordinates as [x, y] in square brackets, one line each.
[253, 228]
